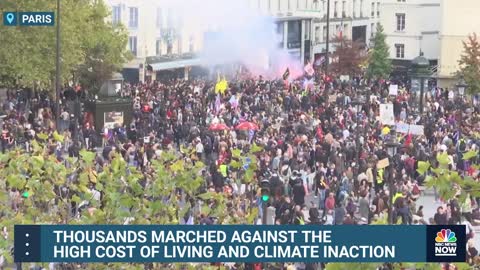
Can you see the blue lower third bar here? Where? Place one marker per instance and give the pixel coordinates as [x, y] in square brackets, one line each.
[238, 243]
[36, 18]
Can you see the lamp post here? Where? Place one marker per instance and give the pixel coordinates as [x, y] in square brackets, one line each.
[461, 86]
[420, 74]
[327, 41]
[57, 70]
[392, 148]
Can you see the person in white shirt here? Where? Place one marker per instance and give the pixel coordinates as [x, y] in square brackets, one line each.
[199, 149]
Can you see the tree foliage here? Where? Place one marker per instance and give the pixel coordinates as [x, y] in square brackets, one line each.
[28, 54]
[448, 182]
[77, 191]
[379, 63]
[348, 56]
[470, 63]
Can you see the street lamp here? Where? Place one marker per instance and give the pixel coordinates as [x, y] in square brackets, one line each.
[392, 148]
[57, 70]
[420, 74]
[327, 42]
[461, 86]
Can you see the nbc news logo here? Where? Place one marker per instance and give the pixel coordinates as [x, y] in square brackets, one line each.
[445, 243]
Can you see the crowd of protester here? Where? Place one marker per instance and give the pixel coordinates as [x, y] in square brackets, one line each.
[320, 153]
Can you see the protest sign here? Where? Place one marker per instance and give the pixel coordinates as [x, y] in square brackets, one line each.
[386, 114]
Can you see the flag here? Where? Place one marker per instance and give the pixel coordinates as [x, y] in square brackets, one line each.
[233, 101]
[408, 141]
[221, 85]
[341, 32]
[218, 103]
[307, 84]
[309, 69]
[286, 74]
[319, 61]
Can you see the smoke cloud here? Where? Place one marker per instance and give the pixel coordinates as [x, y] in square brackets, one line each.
[234, 33]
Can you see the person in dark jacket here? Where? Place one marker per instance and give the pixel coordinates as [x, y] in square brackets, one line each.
[299, 193]
[440, 217]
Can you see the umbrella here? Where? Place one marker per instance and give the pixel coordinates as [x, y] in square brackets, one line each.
[247, 126]
[218, 127]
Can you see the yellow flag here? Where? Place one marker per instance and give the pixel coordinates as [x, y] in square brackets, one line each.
[385, 130]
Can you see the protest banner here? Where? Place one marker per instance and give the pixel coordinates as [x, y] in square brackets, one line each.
[386, 114]
[393, 90]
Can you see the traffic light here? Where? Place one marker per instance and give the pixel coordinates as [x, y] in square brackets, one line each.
[265, 190]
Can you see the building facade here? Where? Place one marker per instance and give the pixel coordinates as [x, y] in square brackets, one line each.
[412, 27]
[459, 19]
[302, 24]
[159, 39]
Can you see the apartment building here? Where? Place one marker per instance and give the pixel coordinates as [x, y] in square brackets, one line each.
[412, 27]
[458, 20]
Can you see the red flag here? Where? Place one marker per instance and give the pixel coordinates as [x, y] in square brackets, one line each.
[408, 141]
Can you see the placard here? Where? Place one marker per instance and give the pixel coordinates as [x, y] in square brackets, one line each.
[416, 130]
[332, 98]
[393, 90]
[112, 118]
[409, 129]
[386, 114]
[383, 163]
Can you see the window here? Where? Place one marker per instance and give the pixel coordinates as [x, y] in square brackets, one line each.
[191, 44]
[400, 21]
[361, 8]
[288, 5]
[179, 45]
[400, 0]
[132, 45]
[317, 34]
[158, 47]
[278, 5]
[344, 11]
[378, 9]
[159, 17]
[372, 30]
[373, 10]
[307, 30]
[269, 5]
[400, 50]
[116, 14]
[335, 10]
[354, 8]
[133, 22]
[324, 34]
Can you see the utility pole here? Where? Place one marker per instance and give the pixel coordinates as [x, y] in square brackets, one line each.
[57, 72]
[327, 45]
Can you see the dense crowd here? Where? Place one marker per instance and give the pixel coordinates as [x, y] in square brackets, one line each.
[320, 153]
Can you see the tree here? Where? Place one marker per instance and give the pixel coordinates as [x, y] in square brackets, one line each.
[470, 63]
[28, 54]
[449, 183]
[37, 189]
[379, 63]
[348, 56]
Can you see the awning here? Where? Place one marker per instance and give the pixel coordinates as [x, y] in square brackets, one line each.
[176, 64]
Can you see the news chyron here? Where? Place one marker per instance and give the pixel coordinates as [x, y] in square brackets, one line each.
[12, 18]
